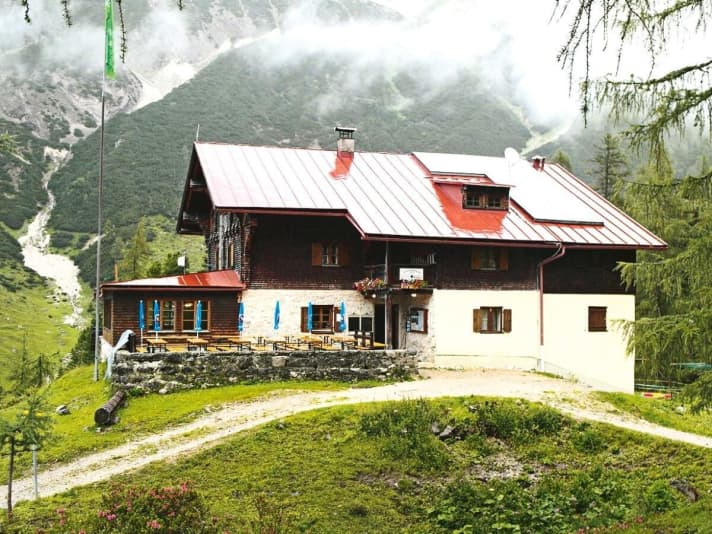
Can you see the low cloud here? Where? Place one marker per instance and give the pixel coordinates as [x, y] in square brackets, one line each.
[510, 45]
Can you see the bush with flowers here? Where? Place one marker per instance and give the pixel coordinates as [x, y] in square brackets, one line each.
[414, 284]
[143, 510]
[369, 284]
[139, 510]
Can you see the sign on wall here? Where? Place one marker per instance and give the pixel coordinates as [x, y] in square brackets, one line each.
[410, 273]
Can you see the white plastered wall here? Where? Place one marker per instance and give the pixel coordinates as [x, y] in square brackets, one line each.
[260, 305]
[458, 346]
[596, 358]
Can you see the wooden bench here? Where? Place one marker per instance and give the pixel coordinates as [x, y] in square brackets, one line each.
[365, 340]
[156, 344]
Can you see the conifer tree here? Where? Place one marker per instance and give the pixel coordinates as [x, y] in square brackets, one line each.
[610, 165]
[674, 287]
[135, 256]
[563, 159]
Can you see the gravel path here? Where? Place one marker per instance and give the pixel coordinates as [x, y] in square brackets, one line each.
[571, 398]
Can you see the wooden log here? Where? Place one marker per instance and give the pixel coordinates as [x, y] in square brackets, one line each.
[103, 416]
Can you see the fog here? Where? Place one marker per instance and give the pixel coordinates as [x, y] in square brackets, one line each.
[511, 45]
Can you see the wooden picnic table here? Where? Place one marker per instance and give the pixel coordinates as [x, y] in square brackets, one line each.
[156, 344]
[345, 342]
[197, 343]
[237, 342]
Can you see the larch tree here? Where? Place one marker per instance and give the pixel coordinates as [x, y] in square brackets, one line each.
[610, 165]
[563, 159]
[133, 264]
[23, 428]
[674, 323]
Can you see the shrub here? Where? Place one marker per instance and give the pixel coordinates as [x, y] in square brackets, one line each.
[139, 510]
[659, 497]
[588, 440]
[405, 429]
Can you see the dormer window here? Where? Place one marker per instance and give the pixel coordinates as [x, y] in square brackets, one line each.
[483, 197]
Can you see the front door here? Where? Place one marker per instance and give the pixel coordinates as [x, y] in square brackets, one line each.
[393, 326]
[379, 326]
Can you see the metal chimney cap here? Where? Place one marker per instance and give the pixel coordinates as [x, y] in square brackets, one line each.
[345, 132]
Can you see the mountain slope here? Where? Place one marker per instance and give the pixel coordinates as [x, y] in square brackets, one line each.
[238, 100]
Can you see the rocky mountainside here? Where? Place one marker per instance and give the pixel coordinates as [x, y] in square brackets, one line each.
[282, 72]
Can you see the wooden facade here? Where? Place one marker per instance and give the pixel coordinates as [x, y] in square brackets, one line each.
[281, 249]
[121, 312]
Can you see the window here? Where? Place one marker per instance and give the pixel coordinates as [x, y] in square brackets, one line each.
[417, 321]
[230, 255]
[490, 259]
[494, 201]
[472, 198]
[597, 319]
[166, 318]
[330, 254]
[362, 324]
[478, 197]
[323, 318]
[108, 308]
[491, 320]
[189, 307]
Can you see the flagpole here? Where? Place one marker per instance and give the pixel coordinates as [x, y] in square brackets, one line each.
[97, 340]
[107, 70]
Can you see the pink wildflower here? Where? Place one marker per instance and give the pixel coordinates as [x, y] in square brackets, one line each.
[153, 524]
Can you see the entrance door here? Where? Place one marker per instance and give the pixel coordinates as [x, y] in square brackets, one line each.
[379, 327]
[393, 326]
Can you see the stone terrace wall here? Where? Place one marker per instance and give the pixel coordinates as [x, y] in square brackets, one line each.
[169, 371]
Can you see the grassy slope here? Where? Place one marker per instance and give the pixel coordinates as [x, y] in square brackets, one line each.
[325, 473]
[660, 411]
[30, 310]
[75, 434]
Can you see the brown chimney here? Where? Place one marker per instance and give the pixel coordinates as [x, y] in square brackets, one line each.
[345, 143]
[538, 163]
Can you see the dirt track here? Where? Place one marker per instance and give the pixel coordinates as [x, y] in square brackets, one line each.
[569, 397]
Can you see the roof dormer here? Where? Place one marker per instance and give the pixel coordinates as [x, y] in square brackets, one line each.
[485, 197]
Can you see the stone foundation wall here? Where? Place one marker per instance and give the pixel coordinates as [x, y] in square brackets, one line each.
[170, 371]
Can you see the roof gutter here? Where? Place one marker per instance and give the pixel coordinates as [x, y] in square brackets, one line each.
[561, 250]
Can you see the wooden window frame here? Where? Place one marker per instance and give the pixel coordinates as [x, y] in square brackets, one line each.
[420, 325]
[205, 319]
[484, 198]
[230, 254]
[497, 256]
[330, 254]
[597, 319]
[499, 320]
[362, 321]
[321, 325]
[472, 199]
[163, 312]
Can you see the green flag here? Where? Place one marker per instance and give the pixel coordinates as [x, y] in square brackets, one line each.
[109, 59]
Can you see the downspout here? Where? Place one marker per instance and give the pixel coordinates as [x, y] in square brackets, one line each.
[561, 250]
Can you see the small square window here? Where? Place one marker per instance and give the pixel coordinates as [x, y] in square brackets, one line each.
[491, 320]
[361, 324]
[597, 319]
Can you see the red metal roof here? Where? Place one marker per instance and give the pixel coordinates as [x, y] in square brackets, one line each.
[410, 196]
[218, 280]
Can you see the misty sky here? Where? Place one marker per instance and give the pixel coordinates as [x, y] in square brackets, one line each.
[513, 43]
